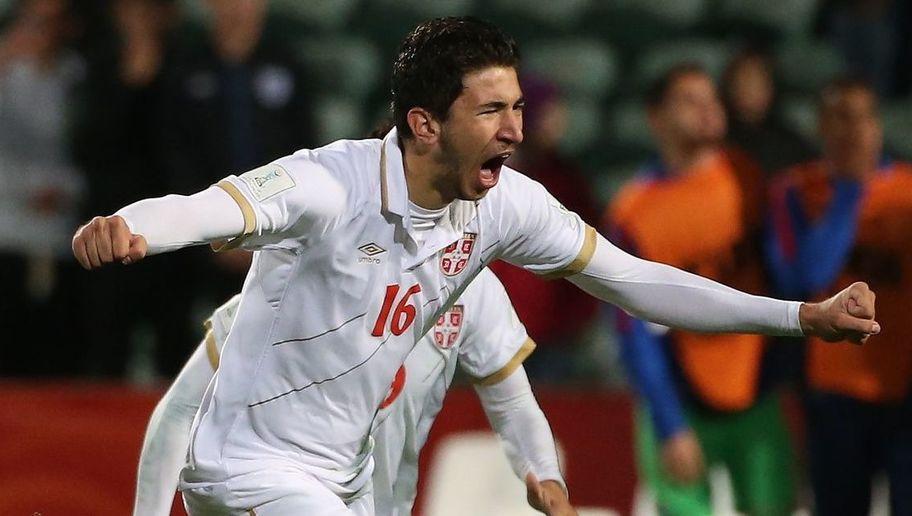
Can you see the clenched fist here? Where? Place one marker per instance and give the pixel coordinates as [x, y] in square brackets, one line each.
[849, 315]
[105, 240]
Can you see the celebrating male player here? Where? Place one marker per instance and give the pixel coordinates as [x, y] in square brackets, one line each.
[284, 428]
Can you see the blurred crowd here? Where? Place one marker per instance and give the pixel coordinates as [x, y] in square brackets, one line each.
[105, 103]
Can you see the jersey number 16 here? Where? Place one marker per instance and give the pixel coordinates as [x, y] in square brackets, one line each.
[403, 316]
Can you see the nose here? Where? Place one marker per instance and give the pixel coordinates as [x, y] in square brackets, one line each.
[511, 127]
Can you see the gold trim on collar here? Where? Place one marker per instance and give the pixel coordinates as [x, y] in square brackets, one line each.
[212, 350]
[521, 355]
[582, 258]
[384, 190]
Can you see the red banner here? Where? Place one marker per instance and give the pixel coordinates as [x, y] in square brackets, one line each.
[73, 448]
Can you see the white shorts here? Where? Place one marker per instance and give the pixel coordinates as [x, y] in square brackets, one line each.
[264, 493]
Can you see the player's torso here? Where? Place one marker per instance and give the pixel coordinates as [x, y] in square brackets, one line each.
[354, 312]
[332, 324]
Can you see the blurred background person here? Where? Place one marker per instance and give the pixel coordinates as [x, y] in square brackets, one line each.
[749, 94]
[236, 95]
[845, 216]
[234, 98]
[40, 189]
[706, 399]
[115, 145]
[556, 313]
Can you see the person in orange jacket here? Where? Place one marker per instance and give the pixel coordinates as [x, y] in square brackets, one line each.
[844, 216]
[707, 398]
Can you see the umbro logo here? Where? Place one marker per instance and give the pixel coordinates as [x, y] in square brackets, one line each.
[370, 250]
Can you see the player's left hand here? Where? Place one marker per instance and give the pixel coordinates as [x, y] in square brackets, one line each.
[548, 497]
[849, 315]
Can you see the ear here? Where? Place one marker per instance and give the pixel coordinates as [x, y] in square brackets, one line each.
[425, 127]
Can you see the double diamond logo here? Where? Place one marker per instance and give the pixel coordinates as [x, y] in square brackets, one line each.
[371, 249]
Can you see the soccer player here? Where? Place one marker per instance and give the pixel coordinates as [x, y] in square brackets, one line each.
[706, 398]
[845, 216]
[481, 330]
[362, 245]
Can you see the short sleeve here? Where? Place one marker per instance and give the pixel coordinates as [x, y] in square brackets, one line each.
[495, 342]
[217, 327]
[292, 198]
[538, 233]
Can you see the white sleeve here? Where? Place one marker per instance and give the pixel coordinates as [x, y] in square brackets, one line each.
[175, 221]
[496, 342]
[516, 417]
[164, 449]
[293, 198]
[536, 231]
[669, 296]
[260, 207]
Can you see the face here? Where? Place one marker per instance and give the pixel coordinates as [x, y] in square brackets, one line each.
[751, 90]
[482, 130]
[692, 114]
[45, 20]
[139, 16]
[850, 127]
[238, 12]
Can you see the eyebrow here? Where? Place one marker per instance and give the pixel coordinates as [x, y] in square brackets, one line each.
[499, 104]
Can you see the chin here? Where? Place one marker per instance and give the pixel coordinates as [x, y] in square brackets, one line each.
[475, 195]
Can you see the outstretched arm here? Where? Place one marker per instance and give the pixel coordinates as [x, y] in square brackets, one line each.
[529, 445]
[672, 297]
[264, 206]
[159, 225]
[164, 448]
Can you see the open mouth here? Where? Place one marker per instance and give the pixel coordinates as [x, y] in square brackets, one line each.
[490, 170]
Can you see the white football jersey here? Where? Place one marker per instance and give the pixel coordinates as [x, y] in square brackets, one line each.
[483, 334]
[337, 297]
[480, 331]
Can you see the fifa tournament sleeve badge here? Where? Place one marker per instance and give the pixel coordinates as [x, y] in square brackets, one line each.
[267, 181]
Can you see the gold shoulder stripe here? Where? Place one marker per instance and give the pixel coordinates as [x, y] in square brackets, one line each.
[212, 350]
[582, 259]
[521, 355]
[246, 210]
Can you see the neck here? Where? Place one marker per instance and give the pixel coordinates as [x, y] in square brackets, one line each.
[423, 175]
[860, 169]
[680, 158]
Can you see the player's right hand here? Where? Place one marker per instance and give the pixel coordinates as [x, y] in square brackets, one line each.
[548, 497]
[682, 458]
[106, 240]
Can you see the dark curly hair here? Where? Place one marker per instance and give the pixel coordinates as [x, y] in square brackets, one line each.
[658, 91]
[434, 58]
